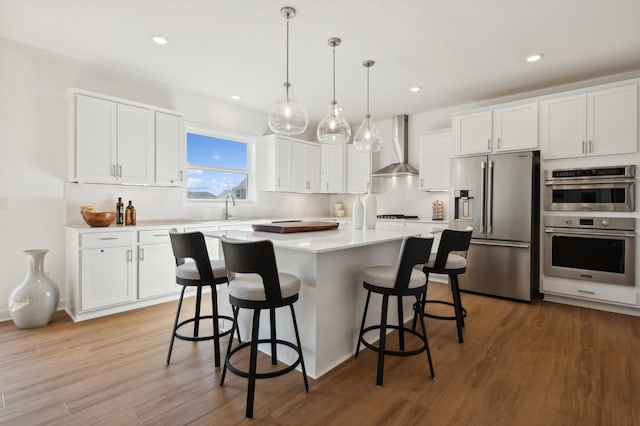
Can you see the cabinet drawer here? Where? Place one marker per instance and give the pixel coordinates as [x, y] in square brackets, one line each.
[106, 239]
[604, 292]
[154, 236]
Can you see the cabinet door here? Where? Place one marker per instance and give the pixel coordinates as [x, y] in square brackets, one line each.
[135, 144]
[169, 150]
[435, 156]
[612, 121]
[515, 127]
[283, 172]
[472, 133]
[358, 170]
[299, 181]
[313, 167]
[332, 177]
[108, 276]
[95, 140]
[156, 270]
[563, 127]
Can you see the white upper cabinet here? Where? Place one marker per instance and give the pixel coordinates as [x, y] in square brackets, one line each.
[598, 122]
[332, 178]
[472, 133]
[121, 142]
[169, 152]
[504, 128]
[358, 170]
[435, 155]
[305, 166]
[515, 128]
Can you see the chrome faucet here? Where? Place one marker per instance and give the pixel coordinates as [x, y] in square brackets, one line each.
[226, 205]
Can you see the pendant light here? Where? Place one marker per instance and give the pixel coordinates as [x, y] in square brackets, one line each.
[334, 128]
[367, 138]
[287, 116]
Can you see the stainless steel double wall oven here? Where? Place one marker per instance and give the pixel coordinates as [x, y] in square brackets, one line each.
[590, 247]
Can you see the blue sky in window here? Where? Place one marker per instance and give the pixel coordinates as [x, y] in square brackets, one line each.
[214, 152]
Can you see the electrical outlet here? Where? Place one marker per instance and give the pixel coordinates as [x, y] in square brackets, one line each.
[4, 203]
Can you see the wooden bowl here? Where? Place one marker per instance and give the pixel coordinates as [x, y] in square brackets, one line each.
[98, 219]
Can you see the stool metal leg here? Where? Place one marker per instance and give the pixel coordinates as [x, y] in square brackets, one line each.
[400, 323]
[383, 338]
[272, 322]
[175, 325]
[364, 317]
[426, 341]
[295, 328]
[234, 326]
[457, 304]
[196, 322]
[253, 360]
[216, 326]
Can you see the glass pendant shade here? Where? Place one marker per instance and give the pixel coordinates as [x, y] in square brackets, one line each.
[287, 116]
[367, 137]
[334, 128]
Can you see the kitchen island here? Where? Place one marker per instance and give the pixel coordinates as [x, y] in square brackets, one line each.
[331, 303]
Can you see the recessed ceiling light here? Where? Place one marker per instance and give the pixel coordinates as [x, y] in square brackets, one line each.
[415, 89]
[235, 97]
[159, 40]
[534, 58]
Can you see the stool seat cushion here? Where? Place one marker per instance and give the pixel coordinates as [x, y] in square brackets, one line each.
[385, 276]
[189, 271]
[250, 287]
[454, 261]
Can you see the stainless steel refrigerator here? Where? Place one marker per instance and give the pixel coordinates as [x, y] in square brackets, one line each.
[499, 196]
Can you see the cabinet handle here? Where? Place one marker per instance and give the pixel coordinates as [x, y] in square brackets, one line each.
[586, 291]
[129, 255]
[140, 253]
[113, 170]
[119, 170]
[421, 183]
[159, 235]
[583, 147]
[489, 144]
[327, 185]
[108, 238]
[278, 182]
[499, 143]
[590, 146]
[181, 176]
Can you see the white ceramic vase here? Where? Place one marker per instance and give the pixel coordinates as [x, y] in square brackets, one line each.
[34, 301]
[370, 204]
[358, 214]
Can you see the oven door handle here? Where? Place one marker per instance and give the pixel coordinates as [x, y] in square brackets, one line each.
[587, 182]
[565, 231]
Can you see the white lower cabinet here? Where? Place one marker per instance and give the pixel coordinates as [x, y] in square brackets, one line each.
[156, 265]
[107, 269]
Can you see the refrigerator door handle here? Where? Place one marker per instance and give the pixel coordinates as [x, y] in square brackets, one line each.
[500, 243]
[483, 176]
[490, 198]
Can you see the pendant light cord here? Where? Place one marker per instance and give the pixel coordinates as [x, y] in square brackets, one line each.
[334, 74]
[368, 113]
[287, 84]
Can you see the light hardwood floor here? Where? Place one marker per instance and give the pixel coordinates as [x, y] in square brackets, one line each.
[521, 364]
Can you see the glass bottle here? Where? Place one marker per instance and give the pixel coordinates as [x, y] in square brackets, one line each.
[130, 215]
[119, 212]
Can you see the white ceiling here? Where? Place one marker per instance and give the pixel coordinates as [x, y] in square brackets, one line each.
[459, 51]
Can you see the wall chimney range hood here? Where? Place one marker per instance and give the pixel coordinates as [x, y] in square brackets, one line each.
[400, 145]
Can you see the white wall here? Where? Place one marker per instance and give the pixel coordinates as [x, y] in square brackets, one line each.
[33, 158]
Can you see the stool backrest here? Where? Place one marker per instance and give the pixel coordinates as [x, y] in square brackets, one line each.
[451, 240]
[191, 245]
[414, 251]
[254, 257]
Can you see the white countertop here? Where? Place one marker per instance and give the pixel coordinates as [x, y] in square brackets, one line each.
[344, 237]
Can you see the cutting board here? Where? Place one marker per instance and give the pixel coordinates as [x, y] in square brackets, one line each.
[294, 226]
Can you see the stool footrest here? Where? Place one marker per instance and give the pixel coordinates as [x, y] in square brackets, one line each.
[393, 352]
[442, 317]
[201, 338]
[267, 375]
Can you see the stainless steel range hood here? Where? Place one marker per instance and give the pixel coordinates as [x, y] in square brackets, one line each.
[400, 146]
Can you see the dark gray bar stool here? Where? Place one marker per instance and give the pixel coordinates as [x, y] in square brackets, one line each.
[449, 260]
[400, 280]
[202, 272]
[257, 285]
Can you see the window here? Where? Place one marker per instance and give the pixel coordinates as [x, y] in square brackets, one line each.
[218, 165]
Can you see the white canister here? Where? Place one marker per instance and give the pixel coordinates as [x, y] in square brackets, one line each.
[370, 205]
[358, 214]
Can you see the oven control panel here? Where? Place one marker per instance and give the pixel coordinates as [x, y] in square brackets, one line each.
[621, 223]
